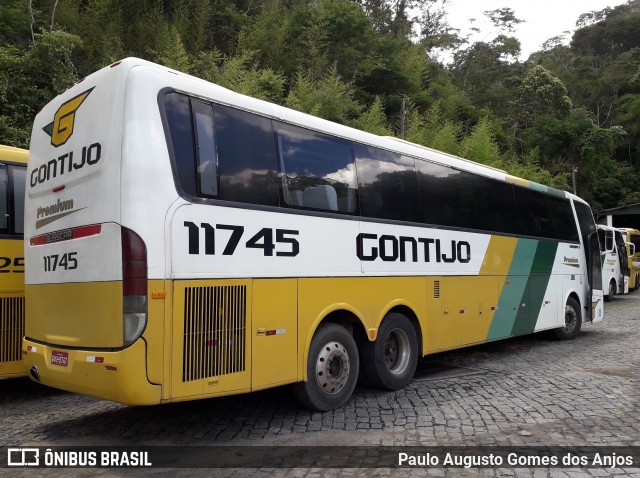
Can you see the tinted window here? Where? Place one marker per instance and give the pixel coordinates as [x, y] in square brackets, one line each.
[246, 157]
[4, 207]
[206, 149]
[533, 213]
[543, 215]
[445, 196]
[494, 205]
[387, 184]
[562, 219]
[19, 177]
[178, 113]
[585, 221]
[318, 170]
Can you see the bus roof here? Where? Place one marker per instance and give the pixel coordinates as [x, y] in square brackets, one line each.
[13, 155]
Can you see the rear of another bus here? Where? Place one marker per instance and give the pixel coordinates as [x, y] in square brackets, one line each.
[87, 280]
[13, 163]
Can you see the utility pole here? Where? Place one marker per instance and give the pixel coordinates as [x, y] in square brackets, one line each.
[573, 175]
[403, 115]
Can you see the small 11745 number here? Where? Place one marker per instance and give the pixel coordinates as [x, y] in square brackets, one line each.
[67, 261]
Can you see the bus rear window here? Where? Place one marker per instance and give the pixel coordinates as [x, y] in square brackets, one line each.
[220, 152]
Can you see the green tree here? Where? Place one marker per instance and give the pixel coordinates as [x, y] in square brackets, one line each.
[374, 120]
[328, 97]
[480, 145]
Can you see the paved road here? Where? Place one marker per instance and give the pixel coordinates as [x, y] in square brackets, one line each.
[524, 391]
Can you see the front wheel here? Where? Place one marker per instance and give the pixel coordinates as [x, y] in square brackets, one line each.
[612, 292]
[332, 369]
[390, 361]
[572, 321]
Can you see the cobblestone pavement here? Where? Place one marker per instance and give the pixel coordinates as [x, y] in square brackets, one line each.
[523, 391]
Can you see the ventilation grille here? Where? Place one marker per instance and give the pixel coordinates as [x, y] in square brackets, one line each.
[11, 328]
[436, 289]
[214, 331]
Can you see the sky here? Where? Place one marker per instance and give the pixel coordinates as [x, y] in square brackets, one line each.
[544, 18]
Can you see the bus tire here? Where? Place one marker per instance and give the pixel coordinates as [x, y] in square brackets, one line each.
[612, 291]
[332, 369]
[390, 361]
[572, 321]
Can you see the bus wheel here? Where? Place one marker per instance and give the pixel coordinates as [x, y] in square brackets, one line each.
[572, 321]
[332, 369]
[612, 292]
[390, 361]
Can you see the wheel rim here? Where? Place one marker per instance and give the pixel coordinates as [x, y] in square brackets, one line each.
[611, 289]
[332, 367]
[397, 351]
[570, 319]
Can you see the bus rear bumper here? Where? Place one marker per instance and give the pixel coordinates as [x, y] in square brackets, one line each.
[12, 369]
[117, 376]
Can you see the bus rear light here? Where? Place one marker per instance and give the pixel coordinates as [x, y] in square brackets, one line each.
[134, 285]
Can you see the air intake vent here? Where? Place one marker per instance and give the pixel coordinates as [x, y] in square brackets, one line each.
[11, 328]
[436, 289]
[214, 331]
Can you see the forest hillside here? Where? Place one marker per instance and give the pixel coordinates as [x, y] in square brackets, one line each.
[574, 105]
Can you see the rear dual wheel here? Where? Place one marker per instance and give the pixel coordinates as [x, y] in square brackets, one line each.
[390, 361]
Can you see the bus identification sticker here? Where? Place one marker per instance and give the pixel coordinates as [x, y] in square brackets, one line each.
[59, 358]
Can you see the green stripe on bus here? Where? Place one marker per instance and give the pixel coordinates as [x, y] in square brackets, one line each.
[510, 298]
[534, 292]
[547, 189]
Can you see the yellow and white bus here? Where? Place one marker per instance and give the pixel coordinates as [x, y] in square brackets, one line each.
[631, 237]
[185, 241]
[13, 171]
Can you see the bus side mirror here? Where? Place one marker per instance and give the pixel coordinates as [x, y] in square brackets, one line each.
[632, 248]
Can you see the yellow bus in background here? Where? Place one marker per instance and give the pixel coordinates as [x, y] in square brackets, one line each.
[632, 239]
[13, 167]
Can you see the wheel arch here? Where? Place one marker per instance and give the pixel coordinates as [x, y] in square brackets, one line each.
[340, 314]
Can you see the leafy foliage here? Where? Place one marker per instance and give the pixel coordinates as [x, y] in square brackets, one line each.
[571, 105]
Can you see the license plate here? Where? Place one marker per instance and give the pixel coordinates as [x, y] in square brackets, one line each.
[59, 358]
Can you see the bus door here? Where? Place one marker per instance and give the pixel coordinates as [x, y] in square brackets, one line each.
[594, 273]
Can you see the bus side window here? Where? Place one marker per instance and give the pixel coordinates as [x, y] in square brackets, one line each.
[4, 207]
[18, 183]
[562, 221]
[246, 157]
[383, 178]
[206, 161]
[318, 165]
[494, 205]
[608, 241]
[445, 196]
[534, 217]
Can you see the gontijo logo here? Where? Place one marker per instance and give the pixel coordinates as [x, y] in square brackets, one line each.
[62, 127]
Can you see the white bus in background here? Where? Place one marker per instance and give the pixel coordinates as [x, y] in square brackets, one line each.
[615, 263]
[184, 241]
